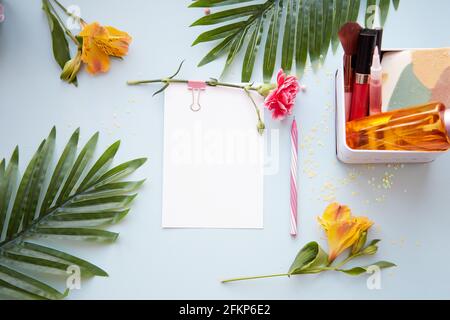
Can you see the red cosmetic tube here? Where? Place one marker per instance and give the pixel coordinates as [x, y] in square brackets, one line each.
[360, 97]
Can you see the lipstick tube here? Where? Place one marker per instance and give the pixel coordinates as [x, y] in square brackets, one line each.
[360, 98]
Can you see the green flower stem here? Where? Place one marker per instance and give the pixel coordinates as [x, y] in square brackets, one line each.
[209, 83]
[336, 267]
[258, 113]
[339, 265]
[256, 277]
[63, 25]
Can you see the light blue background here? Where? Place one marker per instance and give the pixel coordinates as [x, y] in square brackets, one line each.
[148, 262]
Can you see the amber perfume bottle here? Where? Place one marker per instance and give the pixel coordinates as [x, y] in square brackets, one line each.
[420, 128]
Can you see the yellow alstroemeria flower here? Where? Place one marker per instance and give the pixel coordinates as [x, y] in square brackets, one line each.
[101, 42]
[341, 228]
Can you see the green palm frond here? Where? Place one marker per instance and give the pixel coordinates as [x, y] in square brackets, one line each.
[308, 27]
[73, 202]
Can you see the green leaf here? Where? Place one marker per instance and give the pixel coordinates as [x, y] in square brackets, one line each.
[312, 31]
[65, 257]
[63, 166]
[121, 171]
[89, 219]
[60, 45]
[217, 51]
[301, 51]
[270, 53]
[39, 173]
[23, 196]
[287, 52]
[218, 33]
[354, 10]
[328, 26]
[371, 7]
[310, 258]
[360, 270]
[100, 167]
[6, 188]
[99, 204]
[345, 13]
[78, 168]
[14, 292]
[2, 171]
[78, 233]
[384, 10]
[227, 15]
[396, 4]
[336, 25]
[164, 87]
[93, 199]
[113, 189]
[215, 3]
[319, 31]
[235, 48]
[178, 70]
[252, 49]
[373, 242]
[38, 264]
[317, 24]
[28, 284]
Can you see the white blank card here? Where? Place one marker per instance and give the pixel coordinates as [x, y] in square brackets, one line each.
[213, 159]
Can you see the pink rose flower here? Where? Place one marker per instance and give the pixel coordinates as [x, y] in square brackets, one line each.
[2, 13]
[281, 100]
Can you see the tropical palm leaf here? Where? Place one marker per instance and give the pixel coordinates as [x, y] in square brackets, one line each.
[309, 26]
[75, 202]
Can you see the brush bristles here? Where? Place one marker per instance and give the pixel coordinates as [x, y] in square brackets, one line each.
[348, 35]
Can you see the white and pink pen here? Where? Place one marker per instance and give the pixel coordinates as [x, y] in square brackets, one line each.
[294, 158]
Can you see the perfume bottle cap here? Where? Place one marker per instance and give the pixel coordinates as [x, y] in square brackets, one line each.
[366, 46]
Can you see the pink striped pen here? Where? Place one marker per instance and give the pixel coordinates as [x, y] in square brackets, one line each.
[294, 158]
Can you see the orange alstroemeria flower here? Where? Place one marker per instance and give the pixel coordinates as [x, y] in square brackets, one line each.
[101, 42]
[341, 228]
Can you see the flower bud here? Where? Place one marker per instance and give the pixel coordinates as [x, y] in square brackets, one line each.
[265, 89]
[360, 243]
[260, 127]
[71, 68]
[370, 250]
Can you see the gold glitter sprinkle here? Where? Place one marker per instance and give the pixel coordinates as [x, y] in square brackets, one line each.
[329, 198]
[387, 180]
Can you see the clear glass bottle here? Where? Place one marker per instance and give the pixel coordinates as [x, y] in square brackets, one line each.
[420, 128]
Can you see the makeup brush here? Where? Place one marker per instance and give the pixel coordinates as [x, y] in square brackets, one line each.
[348, 35]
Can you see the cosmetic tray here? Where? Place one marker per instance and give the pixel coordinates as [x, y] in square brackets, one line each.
[351, 156]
